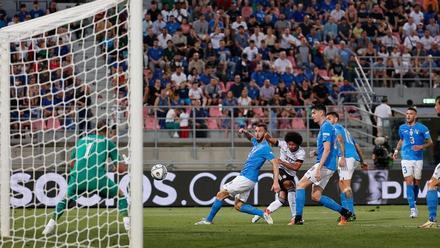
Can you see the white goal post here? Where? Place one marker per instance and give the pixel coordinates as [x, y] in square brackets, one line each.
[60, 75]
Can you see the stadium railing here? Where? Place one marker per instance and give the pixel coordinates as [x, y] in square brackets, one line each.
[416, 71]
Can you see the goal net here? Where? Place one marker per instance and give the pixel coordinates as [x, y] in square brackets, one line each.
[62, 77]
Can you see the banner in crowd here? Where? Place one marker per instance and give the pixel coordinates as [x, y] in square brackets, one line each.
[198, 188]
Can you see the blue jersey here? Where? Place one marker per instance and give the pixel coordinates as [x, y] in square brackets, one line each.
[259, 154]
[413, 135]
[349, 143]
[327, 134]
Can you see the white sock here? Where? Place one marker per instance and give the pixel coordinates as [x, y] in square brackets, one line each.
[292, 204]
[126, 223]
[274, 206]
[52, 222]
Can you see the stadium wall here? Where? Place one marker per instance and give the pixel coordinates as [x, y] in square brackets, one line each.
[196, 188]
[399, 94]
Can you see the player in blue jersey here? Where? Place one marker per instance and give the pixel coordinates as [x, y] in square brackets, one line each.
[433, 186]
[350, 155]
[319, 175]
[241, 186]
[414, 138]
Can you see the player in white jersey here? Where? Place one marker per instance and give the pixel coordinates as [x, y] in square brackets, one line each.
[292, 156]
[433, 186]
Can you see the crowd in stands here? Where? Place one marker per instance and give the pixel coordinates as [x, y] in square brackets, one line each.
[282, 53]
[46, 92]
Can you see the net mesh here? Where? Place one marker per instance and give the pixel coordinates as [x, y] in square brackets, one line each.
[62, 82]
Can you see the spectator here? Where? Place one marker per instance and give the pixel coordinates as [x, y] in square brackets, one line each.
[382, 113]
[282, 63]
[162, 104]
[184, 124]
[337, 14]
[244, 100]
[163, 38]
[36, 11]
[195, 93]
[237, 87]
[330, 29]
[253, 90]
[409, 27]
[330, 52]
[251, 51]
[267, 92]
[172, 122]
[178, 76]
[201, 26]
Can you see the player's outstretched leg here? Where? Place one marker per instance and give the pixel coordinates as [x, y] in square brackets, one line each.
[246, 208]
[72, 192]
[109, 189]
[432, 202]
[274, 206]
[347, 197]
[330, 204]
[300, 200]
[216, 206]
[291, 195]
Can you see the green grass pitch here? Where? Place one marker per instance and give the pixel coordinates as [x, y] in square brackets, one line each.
[386, 226]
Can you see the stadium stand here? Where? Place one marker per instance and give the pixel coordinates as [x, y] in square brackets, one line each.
[222, 65]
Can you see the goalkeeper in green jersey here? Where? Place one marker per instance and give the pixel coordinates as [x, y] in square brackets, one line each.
[88, 173]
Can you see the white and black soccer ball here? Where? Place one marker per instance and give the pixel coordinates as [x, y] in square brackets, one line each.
[159, 172]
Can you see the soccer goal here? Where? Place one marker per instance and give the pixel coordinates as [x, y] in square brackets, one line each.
[62, 77]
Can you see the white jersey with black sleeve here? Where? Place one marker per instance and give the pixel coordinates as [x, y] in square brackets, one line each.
[290, 157]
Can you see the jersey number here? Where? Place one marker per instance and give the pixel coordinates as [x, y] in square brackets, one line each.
[411, 140]
[88, 148]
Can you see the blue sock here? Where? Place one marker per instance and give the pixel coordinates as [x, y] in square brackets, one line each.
[214, 209]
[432, 202]
[330, 203]
[416, 193]
[343, 200]
[410, 195]
[246, 208]
[350, 204]
[300, 201]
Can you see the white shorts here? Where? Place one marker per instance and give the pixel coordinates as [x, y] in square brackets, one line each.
[436, 173]
[346, 172]
[240, 188]
[326, 174]
[412, 168]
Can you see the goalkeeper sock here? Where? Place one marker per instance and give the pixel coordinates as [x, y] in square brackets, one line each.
[123, 206]
[59, 210]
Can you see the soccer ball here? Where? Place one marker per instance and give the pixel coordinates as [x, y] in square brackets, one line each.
[159, 172]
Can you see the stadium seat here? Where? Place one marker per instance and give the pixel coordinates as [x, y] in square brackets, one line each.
[38, 125]
[53, 123]
[150, 123]
[212, 123]
[215, 111]
[298, 123]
